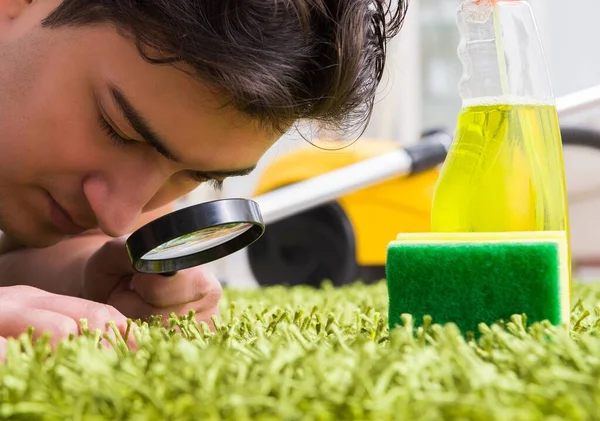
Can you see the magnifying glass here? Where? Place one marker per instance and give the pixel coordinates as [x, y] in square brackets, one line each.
[195, 235]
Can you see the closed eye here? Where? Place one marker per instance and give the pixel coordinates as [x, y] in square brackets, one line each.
[118, 140]
[112, 134]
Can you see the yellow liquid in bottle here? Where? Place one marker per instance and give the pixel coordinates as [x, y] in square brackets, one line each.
[504, 172]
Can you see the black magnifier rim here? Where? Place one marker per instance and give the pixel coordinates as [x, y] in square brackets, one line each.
[190, 219]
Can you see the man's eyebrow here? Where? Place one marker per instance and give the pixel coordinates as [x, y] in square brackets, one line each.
[141, 125]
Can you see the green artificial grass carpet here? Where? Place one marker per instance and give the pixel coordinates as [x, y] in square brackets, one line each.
[304, 354]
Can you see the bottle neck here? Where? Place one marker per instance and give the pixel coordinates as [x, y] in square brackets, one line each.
[501, 53]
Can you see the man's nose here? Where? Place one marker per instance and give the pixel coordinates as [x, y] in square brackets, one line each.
[119, 199]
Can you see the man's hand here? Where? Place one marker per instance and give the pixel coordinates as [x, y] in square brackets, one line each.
[59, 315]
[110, 278]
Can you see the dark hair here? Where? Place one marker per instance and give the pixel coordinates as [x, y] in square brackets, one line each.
[277, 61]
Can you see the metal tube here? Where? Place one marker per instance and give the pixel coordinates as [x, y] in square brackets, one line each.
[578, 102]
[296, 198]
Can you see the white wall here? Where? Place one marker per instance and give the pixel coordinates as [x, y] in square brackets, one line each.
[570, 31]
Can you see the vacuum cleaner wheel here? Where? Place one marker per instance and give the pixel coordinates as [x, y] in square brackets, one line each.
[306, 249]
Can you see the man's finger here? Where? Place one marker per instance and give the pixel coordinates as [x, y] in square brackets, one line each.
[137, 308]
[184, 287]
[16, 320]
[97, 315]
[17, 292]
[112, 262]
[60, 316]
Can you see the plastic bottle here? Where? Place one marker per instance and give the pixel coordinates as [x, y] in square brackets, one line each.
[505, 169]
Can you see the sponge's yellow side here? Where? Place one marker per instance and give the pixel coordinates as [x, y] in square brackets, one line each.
[437, 237]
[556, 237]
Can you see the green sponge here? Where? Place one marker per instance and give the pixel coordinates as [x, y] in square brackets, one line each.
[471, 278]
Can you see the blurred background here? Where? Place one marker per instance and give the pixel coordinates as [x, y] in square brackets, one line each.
[419, 92]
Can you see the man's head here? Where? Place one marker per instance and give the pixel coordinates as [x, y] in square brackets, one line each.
[111, 108]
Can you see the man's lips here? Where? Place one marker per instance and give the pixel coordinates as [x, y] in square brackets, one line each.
[62, 220]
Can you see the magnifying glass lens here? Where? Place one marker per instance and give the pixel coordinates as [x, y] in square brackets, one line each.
[197, 241]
